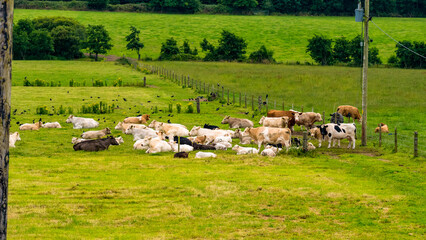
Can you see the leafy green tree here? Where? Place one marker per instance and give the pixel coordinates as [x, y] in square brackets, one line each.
[169, 49]
[357, 52]
[66, 42]
[373, 56]
[407, 59]
[41, 44]
[21, 40]
[98, 40]
[262, 55]
[97, 4]
[182, 6]
[341, 50]
[133, 41]
[239, 5]
[231, 48]
[319, 48]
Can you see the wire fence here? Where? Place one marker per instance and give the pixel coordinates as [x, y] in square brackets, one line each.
[405, 142]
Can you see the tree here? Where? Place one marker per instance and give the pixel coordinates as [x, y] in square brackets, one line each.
[97, 4]
[231, 48]
[98, 40]
[169, 49]
[406, 58]
[319, 48]
[183, 6]
[6, 11]
[356, 52]
[341, 50]
[262, 55]
[21, 41]
[41, 45]
[66, 42]
[239, 5]
[133, 41]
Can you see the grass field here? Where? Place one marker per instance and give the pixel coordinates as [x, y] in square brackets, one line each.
[287, 36]
[121, 193]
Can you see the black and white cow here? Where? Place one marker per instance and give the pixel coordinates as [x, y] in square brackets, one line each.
[339, 131]
[336, 118]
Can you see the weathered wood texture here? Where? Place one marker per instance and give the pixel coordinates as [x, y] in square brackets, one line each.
[6, 16]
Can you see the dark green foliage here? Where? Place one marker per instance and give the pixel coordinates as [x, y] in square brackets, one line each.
[133, 41]
[373, 56]
[262, 55]
[97, 4]
[407, 59]
[98, 108]
[190, 108]
[239, 5]
[181, 6]
[98, 83]
[98, 40]
[319, 48]
[170, 51]
[357, 52]
[42, 110]
[231, 48]
[341, 50]
[66, 42]
[393, 60]
[41, 45]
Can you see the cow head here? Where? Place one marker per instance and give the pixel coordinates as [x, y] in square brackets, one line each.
[236, 147]
[107, 131]
[194, 131]
[323, 130]
[261, 120]
[69, 119]
[225, 120]
[152, 124]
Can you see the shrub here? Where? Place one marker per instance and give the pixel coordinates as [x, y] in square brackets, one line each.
[42, 110]
[341, 50]
[231, 48]
[190, 108]
[262, 55]
[98, 108]
[27, 83]
[118, 82]
[407, 59]
[97, 4]
[178, 107]
[155, 109]
[70, 110]
[170, 108]
[319, 48]
[98, 83]
[61, 110]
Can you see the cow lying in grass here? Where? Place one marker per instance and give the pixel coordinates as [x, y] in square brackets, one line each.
[141, 119]
[96, 134]
[384, 128]
[31, 126]
[79, 122]
[51, 125]
[237, 122]
[95, 145]
[245, 150]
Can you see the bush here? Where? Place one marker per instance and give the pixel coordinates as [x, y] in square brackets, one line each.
[118, 82]
[190, 108]
[170, 51]
[341, 50]
[320, 50]
[97, 4]
[231, 48]
[98, 108]
[61, 110]
[407, 59]
[262, 55]
[170, 107]
[98, 83]
[178, 107]
[42, 110]
[175, 6]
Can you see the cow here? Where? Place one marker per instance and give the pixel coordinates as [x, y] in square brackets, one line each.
[244, 137]
[203, 147]
[244, 150]
[172, 130]
[316, 133]
[51, 125]
[124, 126]
[183, 140]
[96, 134]
[237, 122]
[211, 135]
[79, 122]
[155, 125]
[75, 140]
[225, 138]
[205, 155]
[141, 133]
[13, 138]
[270, 151]
[156, 145]
[96, 145]
[220, 146]
[384, 128]
[336, 118]
[307, 119]
[350, 112]
[277, 122]
[181, 155]
[289, 114]
[31, 126]
[183, 147]
[141, 119]
[339, 131]
[208, 126]
[311, 146]
[265, 135]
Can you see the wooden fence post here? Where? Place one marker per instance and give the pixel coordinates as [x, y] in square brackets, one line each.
[198, 104]
[305, 141]
[240, 99]
[416, 142]
[396, 140]
[144, 81]
[245, 100]
[259, 102]
[323, 117]
[380, 135]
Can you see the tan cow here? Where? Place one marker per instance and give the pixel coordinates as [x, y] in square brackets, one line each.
[96, 134]
[384, 127]
[349, 111]
[289, 114]
[237, 122]
[265, 135]
[277, 122]
[307, 119]
[31, 126]
[138, 120]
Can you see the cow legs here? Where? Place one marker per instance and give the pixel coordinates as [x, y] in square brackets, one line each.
[329, 142]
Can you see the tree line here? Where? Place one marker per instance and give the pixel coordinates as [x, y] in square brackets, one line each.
[392, 8]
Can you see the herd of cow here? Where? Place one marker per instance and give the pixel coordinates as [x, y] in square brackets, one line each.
[274, 134]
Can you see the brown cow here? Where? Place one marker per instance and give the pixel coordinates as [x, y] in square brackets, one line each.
[267, 135]
[289, 114]
[138, 120]
[384, 128]
[349, 111]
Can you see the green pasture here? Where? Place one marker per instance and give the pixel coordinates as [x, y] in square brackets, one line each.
[57, 193]
[287, 36]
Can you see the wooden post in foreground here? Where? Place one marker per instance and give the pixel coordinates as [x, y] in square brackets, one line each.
[364, 74]
[416, 142]
[305, 141]
[198, 104]
[6, 16]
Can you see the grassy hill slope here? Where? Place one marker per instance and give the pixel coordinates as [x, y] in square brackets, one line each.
[287, 36]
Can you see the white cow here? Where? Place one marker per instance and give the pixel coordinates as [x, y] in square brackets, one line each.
[13, 138]
[172, 130]
[245, 150]
[156, 145]
[79, 122]
[205, 155]
[141, 133]
[51, 125]
[277, 122]
[183, 147]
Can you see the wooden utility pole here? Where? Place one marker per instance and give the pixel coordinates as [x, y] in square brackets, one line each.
[364, 75]
[6, 16]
